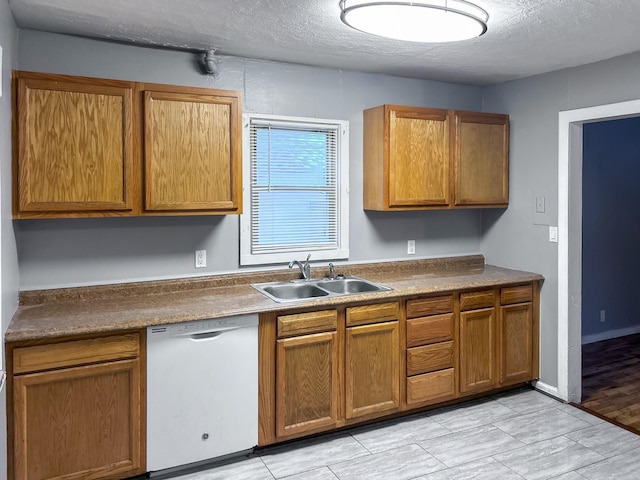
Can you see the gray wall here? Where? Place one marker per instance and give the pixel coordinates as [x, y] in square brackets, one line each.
[85, 251]
[610, 227]
[68, 252]
[512, 239]
[8, 256]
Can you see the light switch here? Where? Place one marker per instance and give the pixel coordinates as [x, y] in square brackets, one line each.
[553, 234]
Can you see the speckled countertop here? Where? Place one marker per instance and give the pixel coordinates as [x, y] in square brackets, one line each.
[84, 310]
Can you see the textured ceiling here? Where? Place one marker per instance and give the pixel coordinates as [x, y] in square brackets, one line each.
[525, 37]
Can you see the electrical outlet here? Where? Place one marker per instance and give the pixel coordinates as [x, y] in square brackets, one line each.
[603, 317]
[411, 247]
[201, 258]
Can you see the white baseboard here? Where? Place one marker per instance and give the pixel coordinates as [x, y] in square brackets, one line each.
[548, 389]
[608, 335]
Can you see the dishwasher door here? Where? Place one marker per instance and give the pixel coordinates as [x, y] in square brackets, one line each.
[202, 390]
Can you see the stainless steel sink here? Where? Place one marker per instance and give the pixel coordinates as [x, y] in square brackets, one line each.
[322, 288]
[346, 286]
[294, 291]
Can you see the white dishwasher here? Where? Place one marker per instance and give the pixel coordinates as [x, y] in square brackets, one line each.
[202, 390]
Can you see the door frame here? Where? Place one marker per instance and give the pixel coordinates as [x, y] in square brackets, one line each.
[570, 124]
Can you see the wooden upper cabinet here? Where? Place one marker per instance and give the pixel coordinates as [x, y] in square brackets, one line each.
[90, 147]
[424, 158]
[406, 158]
[192, 150]
[73, 146]
[418, 158]
[481, 159]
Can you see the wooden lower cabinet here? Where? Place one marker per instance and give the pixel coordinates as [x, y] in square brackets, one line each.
[372, 370]
[431, 350]
[517, 343]
[306, 392]
[431, 387]
[478, 334]
[78, 422]
[329, 369]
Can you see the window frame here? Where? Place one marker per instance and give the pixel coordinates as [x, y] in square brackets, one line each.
[341, 252]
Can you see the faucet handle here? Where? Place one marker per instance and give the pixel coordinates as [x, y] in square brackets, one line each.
[308, 257]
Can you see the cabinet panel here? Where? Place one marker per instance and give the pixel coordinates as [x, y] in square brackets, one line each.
[481, 159]
[433, 329]
[431, 387]
[517, 294]
[80, 422]
[422, 307]
[75, 147]
[306, 383]
[192, 161]
[372, 369]
[475, 300]
[381, 312]
[477, 346]
[418, 158]
[306, 323]
[74, 353]
[517, 343]
[429, 358]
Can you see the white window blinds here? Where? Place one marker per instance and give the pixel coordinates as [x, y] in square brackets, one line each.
[294, 188]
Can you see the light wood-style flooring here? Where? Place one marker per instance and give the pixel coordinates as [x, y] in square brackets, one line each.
[611, 380]
[519, 435]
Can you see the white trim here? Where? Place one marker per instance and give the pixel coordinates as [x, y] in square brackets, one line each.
[342, 252]
[609, 334]
[570, 238]
[546, 388]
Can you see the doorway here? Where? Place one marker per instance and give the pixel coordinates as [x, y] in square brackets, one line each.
[570, 138]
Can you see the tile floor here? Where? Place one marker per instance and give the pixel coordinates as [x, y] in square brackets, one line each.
[518, 435]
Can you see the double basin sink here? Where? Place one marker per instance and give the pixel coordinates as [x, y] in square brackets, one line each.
[322, 288]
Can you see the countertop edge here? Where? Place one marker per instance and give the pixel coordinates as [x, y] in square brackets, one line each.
[66, 319]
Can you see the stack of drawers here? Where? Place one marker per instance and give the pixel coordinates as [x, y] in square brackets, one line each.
[430, 350]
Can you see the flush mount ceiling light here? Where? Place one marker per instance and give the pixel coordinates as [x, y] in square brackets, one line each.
[419, 21]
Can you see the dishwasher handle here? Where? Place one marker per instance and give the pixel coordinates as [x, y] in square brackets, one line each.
[199, 337]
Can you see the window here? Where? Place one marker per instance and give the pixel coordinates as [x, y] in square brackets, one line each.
[295, 189]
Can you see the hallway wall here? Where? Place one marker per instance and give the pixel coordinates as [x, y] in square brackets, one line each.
[610, 229]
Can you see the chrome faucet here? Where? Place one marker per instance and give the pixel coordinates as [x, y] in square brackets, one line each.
[305, 268]
[332, 272]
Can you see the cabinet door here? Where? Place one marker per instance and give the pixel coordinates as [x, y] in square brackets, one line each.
[306, 384]
[75, 143]
[477, 350]
[192, 146]
[517, 343]
[481, 159]
[372, 369]
[82, 422]
[419, 158]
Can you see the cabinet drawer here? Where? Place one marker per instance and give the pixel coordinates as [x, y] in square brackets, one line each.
[382, 312]
[517, 294]
[429, 358]
[76, 352]
[434, 329]
[305, 323]
[421, 307]
[475, 300]
[435, 386]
